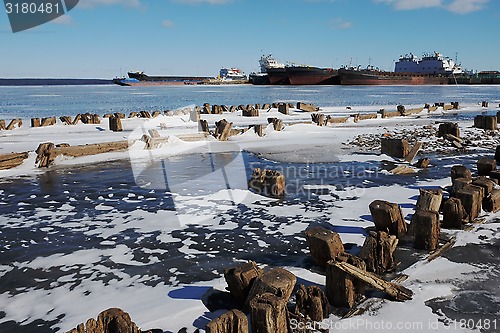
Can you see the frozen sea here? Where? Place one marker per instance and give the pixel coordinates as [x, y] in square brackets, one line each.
[76, 240]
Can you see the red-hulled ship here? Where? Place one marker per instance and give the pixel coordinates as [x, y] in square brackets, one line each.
[306, 75]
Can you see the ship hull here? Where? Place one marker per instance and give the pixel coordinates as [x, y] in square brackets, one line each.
[312, 76]
[278, 76]
[361, 77]
[259, 79]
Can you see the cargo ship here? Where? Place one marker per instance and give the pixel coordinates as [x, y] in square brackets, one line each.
[307, 75]
[141, 79]
[271, 72]
[431, 69]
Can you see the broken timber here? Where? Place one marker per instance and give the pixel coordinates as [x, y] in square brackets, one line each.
[394, 290]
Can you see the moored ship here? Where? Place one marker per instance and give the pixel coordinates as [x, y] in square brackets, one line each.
[271, 72]
[432, 69]
[141, 79]
[307, 75]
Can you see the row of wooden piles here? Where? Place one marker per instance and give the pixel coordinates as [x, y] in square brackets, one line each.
[253, 110]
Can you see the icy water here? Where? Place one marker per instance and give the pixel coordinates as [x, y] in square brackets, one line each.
[28, 102]
[92, 236]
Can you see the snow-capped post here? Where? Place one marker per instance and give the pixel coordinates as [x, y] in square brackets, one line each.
[394, 147]
[283, 108]
[35, 122]
[343, 289]
[324, 244]
[388, 217]
[311, 302]
[378, 252]
[240, 279]
[454, 215]
[485, 166]
[233, 321]
[250, 111]
[268, 313]
[49, 121]
[278, 282]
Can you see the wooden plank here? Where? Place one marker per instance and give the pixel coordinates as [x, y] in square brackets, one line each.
[394, 290]
[413, 152]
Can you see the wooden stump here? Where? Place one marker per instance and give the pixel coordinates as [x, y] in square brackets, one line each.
[394, 147]
[250, 112]
[324, 244]
[388, 217]
[259, 129]
[222, 130]
[216, 109]
[115, 124]
[134, 114]
[240, 279]
[284, 108]
[268, 313]
[318, 119]
[460, 183]
[156, 114]
[233, 321]
[459, 171]
[429, 200]
[278, 282]
[426, 230]
[492, 201]
[232, 108]
[203, 126]
[486, 122]
[423, 163]
[378, 252]
[35, 122]
[49, 121]
[401, 109]
[487, 184]
[267, 182]
[312, 303]
[454, 214]
[471, 198]
[45, 156]
[306, 107]
[14, 123]
[342, 290]
[112, 320]
[449, 128]
[485, 166]
[266, 106]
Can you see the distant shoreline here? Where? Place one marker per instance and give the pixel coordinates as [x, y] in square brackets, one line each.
[52, 82]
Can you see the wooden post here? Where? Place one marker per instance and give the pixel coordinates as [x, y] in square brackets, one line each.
[66, 120]
[2, 125]
[283, 108]
[233, 321]
[324, 244]
[487, 184]
[492, 202]
[460, 183]
[388, 217]
[485, 166]
[394, 147]
[250, 112]
[277, 281]
[454, 214]
[222, 130]
[45, 156]
[378, 252]
[267, 182]
[14, 123]
[429, 200]
[459, 171]
[342, 289]
[203, 126]
[471, 198]
[268, 313]
[232, 108]
[312, 303]
[35, 122]
[318, 119]
[449, 128]
[426, 230]
[240, 279]
[423, 163]
[115, 124]
[259, 129]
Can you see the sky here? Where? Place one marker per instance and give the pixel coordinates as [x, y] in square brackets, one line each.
[107, 38]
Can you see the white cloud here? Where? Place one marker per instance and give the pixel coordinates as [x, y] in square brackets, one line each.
[466, 6]
[95, 3]
[340, 24]
[454, 6]
[167, 24]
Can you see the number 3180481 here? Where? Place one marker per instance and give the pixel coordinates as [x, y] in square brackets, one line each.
[32, 8]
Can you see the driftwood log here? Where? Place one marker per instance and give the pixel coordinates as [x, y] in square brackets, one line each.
[12, 160]
[324, 244]
[233, 321]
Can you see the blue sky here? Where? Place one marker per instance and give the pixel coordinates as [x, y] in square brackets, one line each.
[103, 38]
